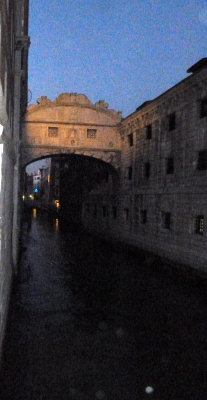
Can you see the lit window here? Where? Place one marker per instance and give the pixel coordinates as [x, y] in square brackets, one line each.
[91, 133]
[52, 131]
[199, 224]
[203, 109]
[148, 132]
[171, 122]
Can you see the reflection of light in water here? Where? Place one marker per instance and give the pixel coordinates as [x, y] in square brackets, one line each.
[57, 224]
[34, 212]
[149, 390]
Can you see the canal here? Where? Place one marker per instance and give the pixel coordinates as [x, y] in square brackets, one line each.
[89, 320]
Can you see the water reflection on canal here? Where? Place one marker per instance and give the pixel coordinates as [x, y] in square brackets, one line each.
[89, 321]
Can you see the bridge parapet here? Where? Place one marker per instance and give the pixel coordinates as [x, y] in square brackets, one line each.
[71, 124]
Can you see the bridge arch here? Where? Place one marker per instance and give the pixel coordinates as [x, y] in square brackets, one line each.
[71, 124]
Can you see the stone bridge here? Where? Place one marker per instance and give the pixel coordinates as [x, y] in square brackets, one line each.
[71, 124]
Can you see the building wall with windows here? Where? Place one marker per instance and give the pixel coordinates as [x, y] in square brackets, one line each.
[162, 205]
[14, 45]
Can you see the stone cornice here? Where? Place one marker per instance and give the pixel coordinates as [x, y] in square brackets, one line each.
[69, 123]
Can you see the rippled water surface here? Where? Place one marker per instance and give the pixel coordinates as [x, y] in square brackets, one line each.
[92, 321]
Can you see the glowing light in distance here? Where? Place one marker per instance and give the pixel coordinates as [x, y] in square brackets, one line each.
[57, 203]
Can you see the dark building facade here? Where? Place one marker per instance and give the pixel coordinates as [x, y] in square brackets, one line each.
[162, 200]
[14, 43]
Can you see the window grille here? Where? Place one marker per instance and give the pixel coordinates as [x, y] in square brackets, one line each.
[148, 132]
[130, 139]
[171, 122]
[202, 160]
[199, 224]
[91, 133]
[52, 131]
[203, 108]
[170, 165]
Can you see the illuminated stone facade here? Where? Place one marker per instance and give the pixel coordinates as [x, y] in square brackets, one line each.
[71, 125]
[14, 44]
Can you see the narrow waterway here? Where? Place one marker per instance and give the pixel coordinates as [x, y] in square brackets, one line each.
[91, 321]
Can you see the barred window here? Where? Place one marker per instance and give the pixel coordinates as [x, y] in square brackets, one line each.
[130, 139]
[203, 108]
[114, 212]
[148, 132]
[170, 166]
[128, 173]
[147, 170]
[166, 220]
[171, 121]
[199, 224]
[95, 211]
[52, 131]
[91, 133]
[202, 160]
[126, 214]
[104, 210]
[143, 216]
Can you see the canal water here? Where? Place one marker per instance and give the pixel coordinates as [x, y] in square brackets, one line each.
[90, 320]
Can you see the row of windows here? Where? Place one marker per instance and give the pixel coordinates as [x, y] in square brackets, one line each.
[171, 123]
[166, 217]
[169, 165]
[147, 169]
[53, 132]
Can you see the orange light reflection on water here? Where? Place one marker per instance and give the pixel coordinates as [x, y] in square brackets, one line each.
[34, 211]
[57, 224]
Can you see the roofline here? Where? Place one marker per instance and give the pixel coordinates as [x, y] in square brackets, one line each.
[156, 98]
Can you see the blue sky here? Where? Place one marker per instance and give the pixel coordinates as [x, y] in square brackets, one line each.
[124, 52]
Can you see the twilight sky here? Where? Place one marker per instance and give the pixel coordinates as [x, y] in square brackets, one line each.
[122, 51]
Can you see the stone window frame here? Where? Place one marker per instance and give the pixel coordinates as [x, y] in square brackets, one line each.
[202, 160]
[171, 121]
[114, 212]
[148, 130]
[52, 131]
[203, 107]
[104, 211]
[130, 139]
[199, 224]
[170, 165]
[147, 169]
[95, 211]
[166, 218]
[143, 216]
[126, 214]
[91, 133]
[128, 173]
